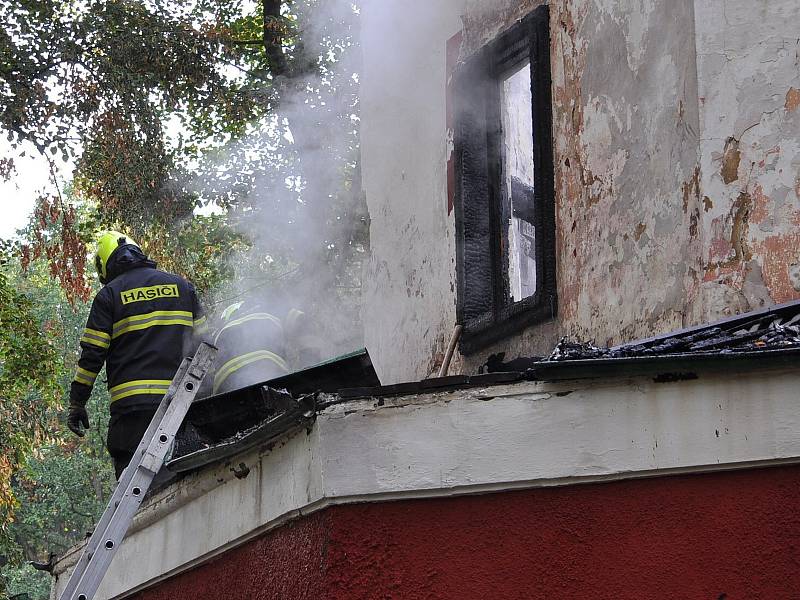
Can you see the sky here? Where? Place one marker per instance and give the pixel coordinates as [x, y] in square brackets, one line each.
[17, 195]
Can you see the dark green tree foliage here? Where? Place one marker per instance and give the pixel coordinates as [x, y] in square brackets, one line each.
[59, 485]
[28, 388]
[103, 76]
[264, 110]
[98, 82]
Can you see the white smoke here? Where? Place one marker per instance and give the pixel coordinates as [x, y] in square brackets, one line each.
[294, 183]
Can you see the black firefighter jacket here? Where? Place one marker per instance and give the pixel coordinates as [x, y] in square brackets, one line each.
[142, 324]
[258, 346]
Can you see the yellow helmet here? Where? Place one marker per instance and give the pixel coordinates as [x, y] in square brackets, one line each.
[107, 244]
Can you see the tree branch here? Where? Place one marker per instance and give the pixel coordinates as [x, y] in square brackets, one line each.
[273, 36]
[78, 512]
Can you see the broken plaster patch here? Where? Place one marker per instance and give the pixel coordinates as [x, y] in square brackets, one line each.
[731, 157]
[794, 276]
[602, 163]
[634, 19]
[792, 99]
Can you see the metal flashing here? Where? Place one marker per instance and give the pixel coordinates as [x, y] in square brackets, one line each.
[434, 384]
[757, 339]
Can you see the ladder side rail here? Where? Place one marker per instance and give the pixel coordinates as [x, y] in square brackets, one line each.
[99, 561]
[122, 485]
[138, 476]
[138, 485]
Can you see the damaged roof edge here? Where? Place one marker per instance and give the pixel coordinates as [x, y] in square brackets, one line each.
[779, 310]
[665, 367]
[261, 413]
[768, 337]
[293, 414]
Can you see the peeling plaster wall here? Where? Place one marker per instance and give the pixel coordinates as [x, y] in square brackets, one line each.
[625, 152]
[749, 72]
[677, 168]
[626, 135]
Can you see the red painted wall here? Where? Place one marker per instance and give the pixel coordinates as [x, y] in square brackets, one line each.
[723, 536]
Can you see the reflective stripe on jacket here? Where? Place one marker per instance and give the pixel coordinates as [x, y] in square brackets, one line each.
[251, 350]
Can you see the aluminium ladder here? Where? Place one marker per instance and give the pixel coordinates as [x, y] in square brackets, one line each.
[138, 475]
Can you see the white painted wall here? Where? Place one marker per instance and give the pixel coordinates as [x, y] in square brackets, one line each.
[409, 305]
[481, 440]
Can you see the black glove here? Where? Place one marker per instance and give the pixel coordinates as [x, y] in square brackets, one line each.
[77, 417]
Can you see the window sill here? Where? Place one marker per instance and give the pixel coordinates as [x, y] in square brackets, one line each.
[483, 331]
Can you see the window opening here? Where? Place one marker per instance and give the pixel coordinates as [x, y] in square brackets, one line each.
[519, 182]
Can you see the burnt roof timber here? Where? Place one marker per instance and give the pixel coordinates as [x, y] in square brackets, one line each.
[734, 322]
[682, 366]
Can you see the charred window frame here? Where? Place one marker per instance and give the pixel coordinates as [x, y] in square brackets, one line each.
[490, 202]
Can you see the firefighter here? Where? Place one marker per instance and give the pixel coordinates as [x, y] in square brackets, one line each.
[141, 325]
[255, 346]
